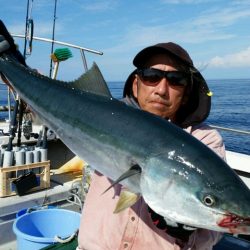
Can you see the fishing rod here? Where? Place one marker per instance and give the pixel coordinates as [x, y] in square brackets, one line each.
[19, 57]
[20, 120]
[18, 107]
[29, 30]
[53, 37]
[13, 124]
[26, 28]
[29, 26]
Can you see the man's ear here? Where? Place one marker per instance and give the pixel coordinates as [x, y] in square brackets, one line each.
[135, 86]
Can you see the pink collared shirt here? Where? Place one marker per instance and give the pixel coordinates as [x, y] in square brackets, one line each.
[133, 229]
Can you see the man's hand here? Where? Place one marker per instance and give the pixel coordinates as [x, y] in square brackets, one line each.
[7, 36]
[7, 43]
[4, 44]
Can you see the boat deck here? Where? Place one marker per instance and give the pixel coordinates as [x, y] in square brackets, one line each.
[58, 194]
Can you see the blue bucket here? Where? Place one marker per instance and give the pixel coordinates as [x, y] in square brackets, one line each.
[38, 229]
[32, 209]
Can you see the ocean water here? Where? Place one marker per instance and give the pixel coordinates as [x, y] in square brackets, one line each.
[230, 109]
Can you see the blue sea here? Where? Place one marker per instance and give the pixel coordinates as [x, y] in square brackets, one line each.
[230, 109]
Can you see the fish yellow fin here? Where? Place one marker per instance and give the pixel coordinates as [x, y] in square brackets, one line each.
[74, 165]
[126, 200]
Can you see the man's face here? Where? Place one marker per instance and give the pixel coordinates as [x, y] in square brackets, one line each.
[162, 99]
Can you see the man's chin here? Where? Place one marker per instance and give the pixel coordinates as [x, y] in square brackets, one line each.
[159, 112]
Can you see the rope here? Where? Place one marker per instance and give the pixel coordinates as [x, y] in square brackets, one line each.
[77, 201]
[68, 239]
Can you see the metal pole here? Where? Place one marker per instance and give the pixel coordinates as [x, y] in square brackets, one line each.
[61, 43]
[9, 104]
[84, 60]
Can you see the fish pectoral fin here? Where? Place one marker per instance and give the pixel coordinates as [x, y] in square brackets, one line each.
[127, 199]
[189, 228]
[135, 169]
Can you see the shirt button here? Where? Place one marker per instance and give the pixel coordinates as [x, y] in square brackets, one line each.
[125, 245]
[133, 218]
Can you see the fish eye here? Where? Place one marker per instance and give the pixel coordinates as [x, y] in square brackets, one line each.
[208, 200]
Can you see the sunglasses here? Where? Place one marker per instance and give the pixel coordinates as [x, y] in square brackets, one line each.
[151, 76]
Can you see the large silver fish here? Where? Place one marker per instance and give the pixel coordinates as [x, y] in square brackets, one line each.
[178, 176]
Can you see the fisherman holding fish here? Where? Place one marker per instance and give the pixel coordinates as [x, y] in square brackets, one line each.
[177, 189]
[167, 84]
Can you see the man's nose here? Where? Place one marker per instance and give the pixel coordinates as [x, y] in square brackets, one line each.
[162, 87]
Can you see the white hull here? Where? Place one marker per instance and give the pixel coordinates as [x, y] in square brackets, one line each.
[241, 164]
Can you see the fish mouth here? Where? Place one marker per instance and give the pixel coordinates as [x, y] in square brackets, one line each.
[236, 224]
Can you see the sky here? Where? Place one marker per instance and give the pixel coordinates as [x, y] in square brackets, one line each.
[216, 33]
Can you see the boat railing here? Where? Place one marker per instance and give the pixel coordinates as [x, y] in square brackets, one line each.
[81, 49]
[230, 129]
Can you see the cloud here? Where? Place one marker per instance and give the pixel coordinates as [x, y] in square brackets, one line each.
[239, 59]
[192, 2]
[210, 25]
[154, 34]
[213, 25]
[204, 29]
[221, 18]
[17, 29]
[185, 1]
[42, 29]
[99, 5]
[45, 29]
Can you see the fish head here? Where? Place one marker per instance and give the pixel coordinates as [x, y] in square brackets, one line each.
[187, 193]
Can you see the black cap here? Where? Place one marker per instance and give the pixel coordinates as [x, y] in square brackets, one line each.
[170, 47]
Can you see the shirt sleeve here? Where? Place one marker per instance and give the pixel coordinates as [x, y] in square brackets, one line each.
[209, 137]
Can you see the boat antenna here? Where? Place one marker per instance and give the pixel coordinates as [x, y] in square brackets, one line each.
[53, 37]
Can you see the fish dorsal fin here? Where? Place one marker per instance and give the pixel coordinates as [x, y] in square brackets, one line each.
[126, 199]
[92, 81]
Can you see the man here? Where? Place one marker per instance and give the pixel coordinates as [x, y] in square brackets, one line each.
[167, 84]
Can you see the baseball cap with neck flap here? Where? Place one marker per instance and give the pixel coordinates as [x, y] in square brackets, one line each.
[198, 105]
